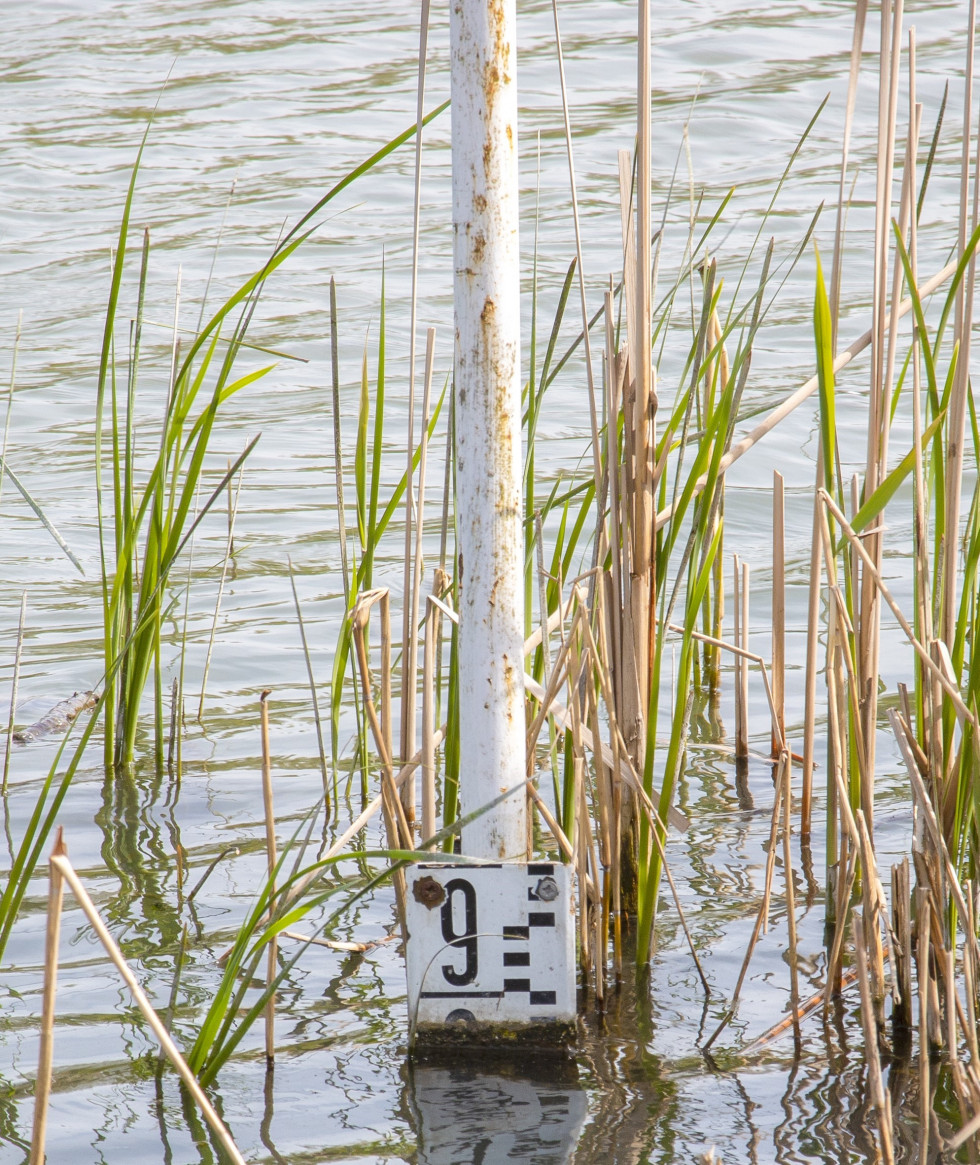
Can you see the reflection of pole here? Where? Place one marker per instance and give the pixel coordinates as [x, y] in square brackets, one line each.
[488, 422]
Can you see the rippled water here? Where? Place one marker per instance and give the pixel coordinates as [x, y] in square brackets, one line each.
[280, 99]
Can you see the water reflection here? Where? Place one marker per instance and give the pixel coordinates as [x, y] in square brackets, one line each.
[531, 1111]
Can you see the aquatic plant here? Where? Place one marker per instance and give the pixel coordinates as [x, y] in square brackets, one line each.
[153, 521]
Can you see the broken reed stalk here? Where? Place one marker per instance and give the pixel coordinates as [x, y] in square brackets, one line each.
[60, 863]
[45, 1058]
[272, 860]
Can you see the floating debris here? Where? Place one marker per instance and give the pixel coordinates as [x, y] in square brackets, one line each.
[59, 719]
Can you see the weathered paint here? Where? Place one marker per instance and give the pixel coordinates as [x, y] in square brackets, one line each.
[491, 953]
[488, 422]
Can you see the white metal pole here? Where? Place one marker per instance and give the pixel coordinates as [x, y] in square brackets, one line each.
[488, 423]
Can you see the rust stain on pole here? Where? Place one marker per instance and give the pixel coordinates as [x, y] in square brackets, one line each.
[488, 420]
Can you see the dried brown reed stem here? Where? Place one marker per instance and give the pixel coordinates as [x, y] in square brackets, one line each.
[962, 332]
[805, 1009]
[741, 731]
[874, 911]
[643, 597]
[612, 896]
[784, 778]
[60, 862]
[549, 706]
[18, 655]
[815, 573]
[970, 965]
[884, 334]
[399, 830]
[628, 220]
[271, 861]
[398, 825]
[936, 842]
[606, 778]
[45, 1058]
[879, 1096]
[812, 652]
[613, 759]
[742, 698]
[410, 638]
[970, 1129]
[902, 941]
[778, 608]
[857, 40]
[411, 584]
[926, 1116]
[432, 622]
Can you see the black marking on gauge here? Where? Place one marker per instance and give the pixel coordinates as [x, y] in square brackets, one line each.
[536, 870]
[540, 998]
[517, 931]
[541, 918]
[461, 994]
[517, 958]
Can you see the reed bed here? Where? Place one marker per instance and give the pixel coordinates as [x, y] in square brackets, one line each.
[632, 629]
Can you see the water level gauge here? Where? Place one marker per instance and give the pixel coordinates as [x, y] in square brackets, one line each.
[490, 951]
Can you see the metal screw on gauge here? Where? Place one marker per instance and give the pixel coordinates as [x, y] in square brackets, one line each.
[547, 890]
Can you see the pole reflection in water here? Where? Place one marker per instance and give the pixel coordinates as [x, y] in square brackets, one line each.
[531, 1112]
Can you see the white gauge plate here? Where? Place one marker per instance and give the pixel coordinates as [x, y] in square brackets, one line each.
[490, 944]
